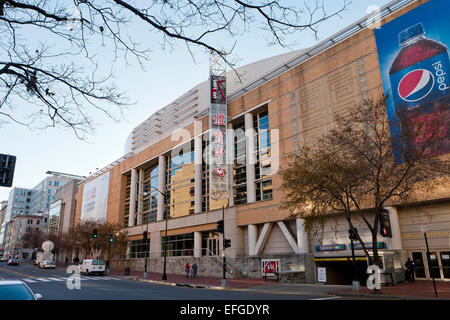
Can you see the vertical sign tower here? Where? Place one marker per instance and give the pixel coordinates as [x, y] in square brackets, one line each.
[218, 167]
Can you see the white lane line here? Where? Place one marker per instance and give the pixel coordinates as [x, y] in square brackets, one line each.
[327, 298]
[110, 278]
[28, 280]
[42, 279]
[56, 279]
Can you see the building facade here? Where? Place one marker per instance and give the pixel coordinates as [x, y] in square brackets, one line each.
[25, 234]
[281, 103]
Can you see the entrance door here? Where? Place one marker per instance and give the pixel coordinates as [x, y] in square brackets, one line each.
[419, 269]
[445, 260]
[213, 246]
[434, 265]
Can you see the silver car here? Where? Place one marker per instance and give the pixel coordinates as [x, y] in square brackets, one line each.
[16, 290]
[47, 264]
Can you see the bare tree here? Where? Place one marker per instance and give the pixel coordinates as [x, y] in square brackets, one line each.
[358, 168]
[52, 54]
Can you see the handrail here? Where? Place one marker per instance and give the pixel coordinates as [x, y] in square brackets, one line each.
[233, 270]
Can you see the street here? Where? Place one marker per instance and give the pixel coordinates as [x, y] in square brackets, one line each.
[52, 284]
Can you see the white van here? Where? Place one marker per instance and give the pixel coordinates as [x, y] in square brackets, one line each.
[91, 266]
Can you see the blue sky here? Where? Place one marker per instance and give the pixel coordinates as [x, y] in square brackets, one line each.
[167, 75]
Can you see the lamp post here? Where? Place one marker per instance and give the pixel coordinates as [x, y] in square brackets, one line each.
[166, 215]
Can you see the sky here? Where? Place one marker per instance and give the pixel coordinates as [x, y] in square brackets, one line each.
[167, 75]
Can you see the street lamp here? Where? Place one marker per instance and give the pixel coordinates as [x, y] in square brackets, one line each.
[166, 197]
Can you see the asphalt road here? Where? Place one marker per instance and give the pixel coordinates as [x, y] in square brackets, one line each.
[52, 284]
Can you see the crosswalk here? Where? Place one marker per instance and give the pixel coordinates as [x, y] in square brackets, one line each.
[34, 280]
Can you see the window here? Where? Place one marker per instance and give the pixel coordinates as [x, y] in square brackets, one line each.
[30, 221]
[19, 237]
[150, 199]
[21, 229]
[38, 222]
[127, 201]
[179, 245]
[56, 184]
[138, 248]
[240, 169]
[45, 220]
[263, 167]
[49, 183]
[179, 176]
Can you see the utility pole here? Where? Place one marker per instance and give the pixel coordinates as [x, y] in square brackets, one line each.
[224, 264]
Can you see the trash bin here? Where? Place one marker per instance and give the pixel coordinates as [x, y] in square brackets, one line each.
[127, 271]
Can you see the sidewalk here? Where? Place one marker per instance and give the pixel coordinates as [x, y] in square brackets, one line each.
[200, 281]
[418, 289]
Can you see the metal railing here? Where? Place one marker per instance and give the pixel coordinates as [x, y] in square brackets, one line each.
[232, 270]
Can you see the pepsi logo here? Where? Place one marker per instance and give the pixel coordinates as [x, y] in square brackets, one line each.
[416, 85]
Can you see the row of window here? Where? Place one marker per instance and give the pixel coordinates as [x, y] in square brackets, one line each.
[180, 175]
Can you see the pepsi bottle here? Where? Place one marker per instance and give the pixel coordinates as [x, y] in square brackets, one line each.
[420, 87]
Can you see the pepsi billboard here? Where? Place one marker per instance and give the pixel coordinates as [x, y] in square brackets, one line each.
[415, 66]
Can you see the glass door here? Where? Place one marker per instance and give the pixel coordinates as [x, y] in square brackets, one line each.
[434, 265]
[419, 269]
[445, 260]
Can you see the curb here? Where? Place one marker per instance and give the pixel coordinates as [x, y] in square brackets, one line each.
[382, 296]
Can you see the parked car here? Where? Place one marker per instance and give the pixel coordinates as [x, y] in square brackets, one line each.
[13, 262]
[16, 290]
[91, 266]
[47, 264]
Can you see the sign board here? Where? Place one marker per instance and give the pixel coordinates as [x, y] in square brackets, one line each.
[95, 199]
[415, 71]
[331, 247]
[322, 275]
[424, 228]
[270, 266]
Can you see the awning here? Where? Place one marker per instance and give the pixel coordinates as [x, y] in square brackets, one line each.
[346, 259]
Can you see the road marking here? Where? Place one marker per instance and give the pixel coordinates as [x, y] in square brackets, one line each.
[42, 279]
[110, 278]
[56, 279]
[19, 273]
[327, 298]
[29, 280]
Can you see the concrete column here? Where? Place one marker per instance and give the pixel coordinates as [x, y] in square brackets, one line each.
[302, 237]
[250, 158]
[140, 197]
[161, 186]
[132, 214]
[396, 240]
[197, 244]
[252, 238]
[230, 164]
[198, 174]
[155, 245]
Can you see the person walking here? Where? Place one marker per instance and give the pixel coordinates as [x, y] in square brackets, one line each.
[194, 270]
[409, 270]
[187, 268]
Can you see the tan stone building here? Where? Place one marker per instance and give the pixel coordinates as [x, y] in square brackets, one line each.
[25, 233]
[287, 101]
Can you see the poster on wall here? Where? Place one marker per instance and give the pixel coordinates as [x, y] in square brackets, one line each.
[270, 266]
[415, 66]
[95, 199]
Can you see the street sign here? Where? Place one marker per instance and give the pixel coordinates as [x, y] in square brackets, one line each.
[424, 228]
[322, 275]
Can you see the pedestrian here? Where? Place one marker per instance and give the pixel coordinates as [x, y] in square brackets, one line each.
[187, 268]
[194, 270]
[67, 261]
[409, 270]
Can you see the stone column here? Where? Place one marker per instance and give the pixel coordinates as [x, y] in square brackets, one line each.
[302, 237]
[252, 238]
[396, 240]
[140, 197]
[161, 186]
[198, 174]
[250, 158]
[230, 163]
[197, 244]
[132, 214]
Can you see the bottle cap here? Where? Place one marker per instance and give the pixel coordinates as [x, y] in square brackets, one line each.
[411, 32]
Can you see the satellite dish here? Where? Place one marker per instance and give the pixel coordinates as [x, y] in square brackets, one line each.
[48, 246]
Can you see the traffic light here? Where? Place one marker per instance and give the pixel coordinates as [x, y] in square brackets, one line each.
[111, 238]
[385, 224]
[94, 233]
[352, 234]
[144, 235]
[220, 226]
[226, 243]
[7, 165]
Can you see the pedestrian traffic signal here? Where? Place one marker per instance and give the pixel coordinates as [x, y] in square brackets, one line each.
[385, 224]
[220, 226]
[226, 243]
[7, 165]
[94, 233]
[144, 235]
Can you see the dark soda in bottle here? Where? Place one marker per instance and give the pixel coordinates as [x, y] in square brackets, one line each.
[420, 89]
